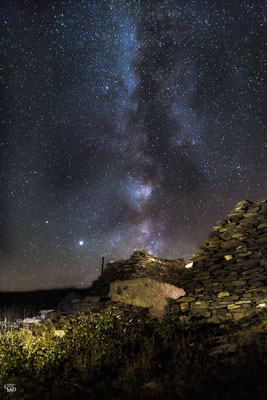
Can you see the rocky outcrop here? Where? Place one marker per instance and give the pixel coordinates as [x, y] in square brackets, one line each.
[228, 275]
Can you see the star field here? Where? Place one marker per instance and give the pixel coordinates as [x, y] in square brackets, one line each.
[124, 125]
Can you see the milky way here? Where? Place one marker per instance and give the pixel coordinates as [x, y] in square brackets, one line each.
[124, 125]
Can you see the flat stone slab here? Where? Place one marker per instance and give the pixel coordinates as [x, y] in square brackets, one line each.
[89, 299]
[145, 292]
[34, 320]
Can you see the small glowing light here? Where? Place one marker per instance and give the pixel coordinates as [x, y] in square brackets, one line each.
[46, 222]
[190, 265]
[81, 242]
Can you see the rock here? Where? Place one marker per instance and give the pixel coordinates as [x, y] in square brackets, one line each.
[242, 204]
[230, 244]
[44, 314]
[33, 320]
[223, 349]
[223, 294]
[189, 265]
[145, 292]
[262, 240]
[262, 305]
[91, 299]
[233, 306]
[184, 307]
[237, 283]
[186, 299]
[263, 225]
[153, 386]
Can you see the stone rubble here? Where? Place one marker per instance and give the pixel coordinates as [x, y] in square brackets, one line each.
[119, 310]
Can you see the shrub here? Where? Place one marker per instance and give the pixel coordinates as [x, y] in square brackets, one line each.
[101, 356]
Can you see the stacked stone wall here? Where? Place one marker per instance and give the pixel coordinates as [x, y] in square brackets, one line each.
[139, 265]
[228, 275]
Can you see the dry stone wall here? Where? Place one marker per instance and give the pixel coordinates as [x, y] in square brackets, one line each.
[228, 275]
[139, 265]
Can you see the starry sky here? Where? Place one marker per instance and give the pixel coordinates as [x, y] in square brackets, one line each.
[125, 124]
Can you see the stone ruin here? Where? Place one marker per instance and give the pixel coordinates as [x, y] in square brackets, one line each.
[139, 265]
[224, 280]
[150, 281]
[228, 275]
[142, 280]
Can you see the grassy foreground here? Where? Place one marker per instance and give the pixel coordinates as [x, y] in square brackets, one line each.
[99, 356]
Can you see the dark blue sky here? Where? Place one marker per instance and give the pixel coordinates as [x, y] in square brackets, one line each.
[124, 125]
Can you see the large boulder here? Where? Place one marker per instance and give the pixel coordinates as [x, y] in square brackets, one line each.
[145, 292]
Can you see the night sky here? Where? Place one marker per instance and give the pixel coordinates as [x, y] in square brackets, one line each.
[125, 124]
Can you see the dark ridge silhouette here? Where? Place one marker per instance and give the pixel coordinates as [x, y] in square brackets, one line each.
[37, 298]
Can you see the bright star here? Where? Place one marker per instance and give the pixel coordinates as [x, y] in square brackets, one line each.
[81, 242]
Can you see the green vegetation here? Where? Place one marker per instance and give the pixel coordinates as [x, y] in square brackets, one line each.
[99, 356]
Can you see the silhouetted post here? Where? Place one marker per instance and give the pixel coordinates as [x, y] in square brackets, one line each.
[102, 267]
